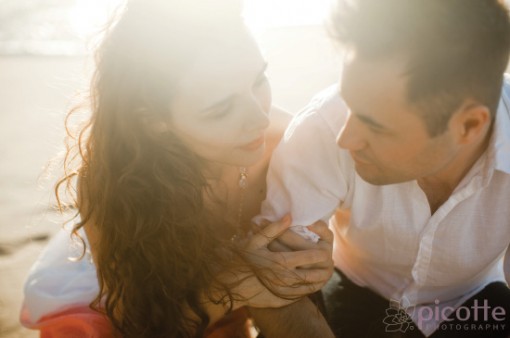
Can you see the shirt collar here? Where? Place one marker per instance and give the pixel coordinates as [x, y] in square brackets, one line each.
[500, 143]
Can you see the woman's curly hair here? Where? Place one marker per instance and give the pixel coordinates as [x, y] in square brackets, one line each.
[160, 245]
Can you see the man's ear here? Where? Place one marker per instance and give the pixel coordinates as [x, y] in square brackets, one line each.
[470, 122]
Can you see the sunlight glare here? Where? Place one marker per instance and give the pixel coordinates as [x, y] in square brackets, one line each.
[263, 14]
[89, 16]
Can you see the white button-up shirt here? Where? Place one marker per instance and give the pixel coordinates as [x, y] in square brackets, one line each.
[391, 243]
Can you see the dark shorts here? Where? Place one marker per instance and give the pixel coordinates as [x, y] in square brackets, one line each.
[357, 312]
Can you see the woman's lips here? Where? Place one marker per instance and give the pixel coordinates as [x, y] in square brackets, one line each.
[254, 145]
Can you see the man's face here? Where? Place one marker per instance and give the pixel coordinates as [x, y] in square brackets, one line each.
[386, 138]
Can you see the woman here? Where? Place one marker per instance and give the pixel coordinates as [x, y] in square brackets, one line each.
[171, 169]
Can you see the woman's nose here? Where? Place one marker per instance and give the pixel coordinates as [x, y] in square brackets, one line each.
[258, 115]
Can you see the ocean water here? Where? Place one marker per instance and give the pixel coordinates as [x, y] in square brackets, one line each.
[50, 27]
[36, 27]
[68, 27]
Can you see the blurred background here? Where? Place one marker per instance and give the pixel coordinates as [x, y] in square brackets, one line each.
[45, 61]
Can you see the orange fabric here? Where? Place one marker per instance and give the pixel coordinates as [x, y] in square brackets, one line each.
[82, 322]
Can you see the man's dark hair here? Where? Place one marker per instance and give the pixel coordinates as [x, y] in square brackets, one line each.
[456, 49]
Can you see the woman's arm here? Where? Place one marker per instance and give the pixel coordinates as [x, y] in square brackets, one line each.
[283, 271]
[303, 318]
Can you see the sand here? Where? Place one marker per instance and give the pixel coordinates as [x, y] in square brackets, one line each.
[35, 93]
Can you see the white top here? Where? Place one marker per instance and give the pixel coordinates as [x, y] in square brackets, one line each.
[392, 244]
[56, 282]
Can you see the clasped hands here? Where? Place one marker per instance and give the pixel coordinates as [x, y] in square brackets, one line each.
[286, 266]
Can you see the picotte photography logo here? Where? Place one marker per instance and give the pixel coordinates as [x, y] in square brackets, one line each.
[398, 316]
[479, 316]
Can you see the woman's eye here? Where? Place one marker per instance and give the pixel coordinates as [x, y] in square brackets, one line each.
[222, 112]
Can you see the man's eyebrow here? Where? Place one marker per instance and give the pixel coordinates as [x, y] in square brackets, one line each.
[363, 118]
[369, 121]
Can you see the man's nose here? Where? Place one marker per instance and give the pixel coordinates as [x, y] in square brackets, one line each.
[351, 136]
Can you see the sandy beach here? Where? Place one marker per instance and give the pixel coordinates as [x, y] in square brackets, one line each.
[35, 93]
[33, 97]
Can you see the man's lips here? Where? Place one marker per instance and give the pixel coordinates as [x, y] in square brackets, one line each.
[358, 160]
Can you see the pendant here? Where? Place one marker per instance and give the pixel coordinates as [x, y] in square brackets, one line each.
[243, 178]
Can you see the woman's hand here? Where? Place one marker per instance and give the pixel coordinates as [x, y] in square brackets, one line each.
[282, 278]
[291, 241]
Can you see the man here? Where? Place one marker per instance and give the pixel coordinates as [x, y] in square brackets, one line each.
[420, 182]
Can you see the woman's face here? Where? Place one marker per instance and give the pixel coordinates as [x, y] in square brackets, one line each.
[221, 107]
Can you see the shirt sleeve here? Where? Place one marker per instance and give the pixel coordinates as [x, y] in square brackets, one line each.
[305, 176]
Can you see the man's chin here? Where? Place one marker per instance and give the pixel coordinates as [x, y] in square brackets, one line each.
[377, 178]
[373, 181]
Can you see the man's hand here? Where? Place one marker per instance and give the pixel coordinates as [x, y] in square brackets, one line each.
[291, 241]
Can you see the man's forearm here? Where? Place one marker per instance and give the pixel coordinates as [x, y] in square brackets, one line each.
[301, 319]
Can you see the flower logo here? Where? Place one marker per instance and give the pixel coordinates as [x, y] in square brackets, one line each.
[397, 316]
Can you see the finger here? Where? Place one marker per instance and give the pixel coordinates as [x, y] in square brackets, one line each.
[322, 265]
[314, 276]
[298, 282]
[298, 290]
[303, 282]
[321, 229]
[291, 260]
[285, 263]
[255, 228]
[264, 223]
[269, 233]
[278, 246]
[295, 241]
[326, 236]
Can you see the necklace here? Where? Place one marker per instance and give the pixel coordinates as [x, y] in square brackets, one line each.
[243, 183]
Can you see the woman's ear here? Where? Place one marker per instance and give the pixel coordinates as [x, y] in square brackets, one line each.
[470, 122]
